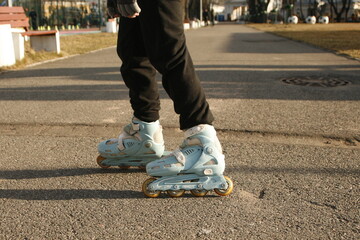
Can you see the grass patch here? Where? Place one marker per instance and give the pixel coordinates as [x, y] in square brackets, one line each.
[70, 45]
[342, 38]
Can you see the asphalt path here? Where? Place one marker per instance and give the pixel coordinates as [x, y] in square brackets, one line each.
[287, 115]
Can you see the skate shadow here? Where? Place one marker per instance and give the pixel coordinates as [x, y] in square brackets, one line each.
[72, 194]
[294, 170]
[69, 172]
[68, 194]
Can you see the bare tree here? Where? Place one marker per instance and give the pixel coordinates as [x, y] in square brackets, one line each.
[348, 6]
[345, 6]
[257, 10]
[301, 10]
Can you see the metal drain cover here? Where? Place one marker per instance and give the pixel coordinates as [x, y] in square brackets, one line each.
[315, 81]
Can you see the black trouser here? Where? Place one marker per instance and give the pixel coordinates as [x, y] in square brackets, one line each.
[156, 40]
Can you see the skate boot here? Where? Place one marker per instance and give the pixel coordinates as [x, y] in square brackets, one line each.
[139, 143]
[197, 166]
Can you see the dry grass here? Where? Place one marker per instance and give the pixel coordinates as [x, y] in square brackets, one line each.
[343, 38]
[83, 43]
[70, 45]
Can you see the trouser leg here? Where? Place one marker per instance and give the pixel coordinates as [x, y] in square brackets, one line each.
[162, 28]
[137, 71]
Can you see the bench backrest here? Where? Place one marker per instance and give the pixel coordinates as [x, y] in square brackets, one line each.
[15, 16]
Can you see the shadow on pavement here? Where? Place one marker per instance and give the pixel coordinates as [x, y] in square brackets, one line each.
[93, 73]
[67, 194]
[52, 173]
[70, 194]
[258, 42]
[295, 170]
[219, 82]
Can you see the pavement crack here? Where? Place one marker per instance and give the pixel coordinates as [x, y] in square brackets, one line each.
[323, 205]
[350, 142]
[343, 219]
[293, 138]
[242, 135]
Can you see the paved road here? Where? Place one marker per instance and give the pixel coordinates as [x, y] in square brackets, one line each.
[292, 150]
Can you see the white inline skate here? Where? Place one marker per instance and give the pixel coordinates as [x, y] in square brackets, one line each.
[139, 143]
[197, 166]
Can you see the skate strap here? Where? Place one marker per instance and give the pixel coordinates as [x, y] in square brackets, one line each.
[126, 136]
[179, 156]
[121, 139]
[194, 130]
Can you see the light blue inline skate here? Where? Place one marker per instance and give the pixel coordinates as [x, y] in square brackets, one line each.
[197, 166]
[139, 143]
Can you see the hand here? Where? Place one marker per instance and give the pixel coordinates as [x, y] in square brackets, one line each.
[124, 8]
[133, 16]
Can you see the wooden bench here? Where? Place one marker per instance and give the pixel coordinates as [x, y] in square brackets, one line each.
[39, 40]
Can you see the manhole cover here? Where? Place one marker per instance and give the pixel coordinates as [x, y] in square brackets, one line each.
[315, 81]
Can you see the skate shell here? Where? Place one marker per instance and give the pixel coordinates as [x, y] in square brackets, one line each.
[138, 144]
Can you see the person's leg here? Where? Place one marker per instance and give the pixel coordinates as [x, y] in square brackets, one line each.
[199, 164]
[141, 141]
[163, 35]
[137, 71]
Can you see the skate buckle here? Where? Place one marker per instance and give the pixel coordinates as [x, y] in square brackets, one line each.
[209, 150]
[208, 171]
[200, 186]
[175, 187]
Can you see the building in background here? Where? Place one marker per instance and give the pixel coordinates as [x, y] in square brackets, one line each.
[235, 10]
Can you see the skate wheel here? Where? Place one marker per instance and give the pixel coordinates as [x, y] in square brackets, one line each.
[147, 192]
[198, 193]
[99, 160]
[228, 190]
[175, 193]
[124, 167]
